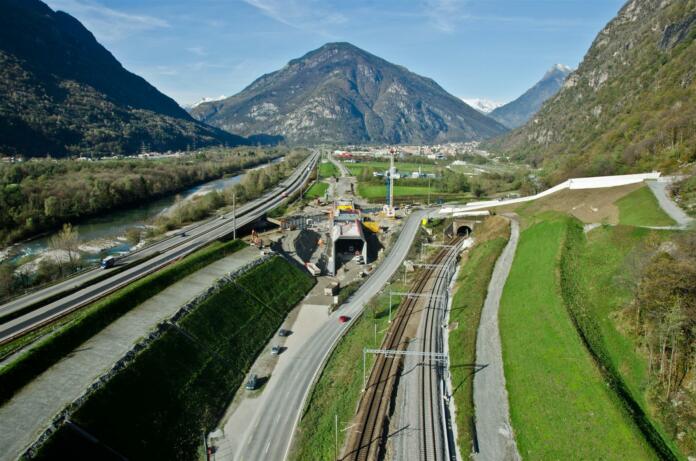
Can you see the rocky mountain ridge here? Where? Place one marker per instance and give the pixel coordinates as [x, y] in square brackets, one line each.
[516, 113]
[342, 94]
[631, 104]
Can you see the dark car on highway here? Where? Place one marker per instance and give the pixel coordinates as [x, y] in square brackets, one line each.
[283, 332]
[252, 384]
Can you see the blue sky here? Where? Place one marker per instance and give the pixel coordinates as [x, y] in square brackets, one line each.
[493, 49]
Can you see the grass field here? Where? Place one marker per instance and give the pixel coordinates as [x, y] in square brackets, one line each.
[87, 322]
[327, 170]
[180, 385]
[356, 168]
[378, 193]
[474, 169]
[597, 277]
[561, 408]
[602, 266]
[317, 190]
[640, 208]
[470, 293]
[338, 389]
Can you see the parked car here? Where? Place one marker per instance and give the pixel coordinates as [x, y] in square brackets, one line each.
[252, 384]
[275, 350]
[283, 332]
[343, 319]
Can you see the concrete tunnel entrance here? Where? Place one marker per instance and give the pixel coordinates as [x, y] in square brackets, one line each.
[463, 231]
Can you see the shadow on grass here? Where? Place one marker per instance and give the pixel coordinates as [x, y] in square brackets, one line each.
[474, 367]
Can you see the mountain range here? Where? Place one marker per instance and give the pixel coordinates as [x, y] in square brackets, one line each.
[630, 105]
[63, 93]
[482, 105]
[516, 113]
[342, 94]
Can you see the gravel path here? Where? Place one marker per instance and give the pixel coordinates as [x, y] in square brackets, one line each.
[495, 437]
[659, 189]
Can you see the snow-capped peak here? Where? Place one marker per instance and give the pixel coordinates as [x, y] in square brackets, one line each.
[203, 100]
[562, 68]
[482, 104]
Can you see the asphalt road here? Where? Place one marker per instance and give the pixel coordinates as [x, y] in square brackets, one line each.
[269, 432]
[496, 440]
[659, 189]
[166, 251]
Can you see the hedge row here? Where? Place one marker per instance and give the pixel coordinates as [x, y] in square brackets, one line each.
[178, 388]
[93, 319]
[591, 335]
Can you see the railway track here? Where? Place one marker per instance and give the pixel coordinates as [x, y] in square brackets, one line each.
[207, 232]
[432, 433]
[366, 441]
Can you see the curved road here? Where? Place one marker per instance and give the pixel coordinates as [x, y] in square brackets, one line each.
[270, 430]
[170, 249]
[495, 437]
[659, 189]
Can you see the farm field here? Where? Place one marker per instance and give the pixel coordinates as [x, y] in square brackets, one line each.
[327, 170]
[357, 168]
[317, 190]
[378, 192]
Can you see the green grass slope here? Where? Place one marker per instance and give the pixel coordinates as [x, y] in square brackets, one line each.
[597, 277]
[179, 386]
[640, 208]
[560, 406]
[87, 322]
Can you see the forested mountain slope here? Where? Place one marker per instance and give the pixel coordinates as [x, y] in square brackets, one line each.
[630, 106]
[62, 93]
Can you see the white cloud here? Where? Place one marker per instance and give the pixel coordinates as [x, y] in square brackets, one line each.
[106, 23]
[197, 50]
[304, 15]
[444, 15]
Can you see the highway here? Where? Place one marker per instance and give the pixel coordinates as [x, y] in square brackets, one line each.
[270, 430]
[160, 254]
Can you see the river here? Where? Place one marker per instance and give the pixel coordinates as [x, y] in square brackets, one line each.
[105, 235]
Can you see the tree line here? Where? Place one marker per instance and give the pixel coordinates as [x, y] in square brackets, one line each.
[663, 317]
[41, 195]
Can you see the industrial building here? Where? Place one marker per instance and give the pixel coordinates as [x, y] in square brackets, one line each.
[347, 236]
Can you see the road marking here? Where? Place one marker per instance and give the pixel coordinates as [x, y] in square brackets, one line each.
[276, 419]
[267, 447]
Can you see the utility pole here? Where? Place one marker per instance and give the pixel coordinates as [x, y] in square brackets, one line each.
[336, 432]
[428, 190]
[234, 215]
